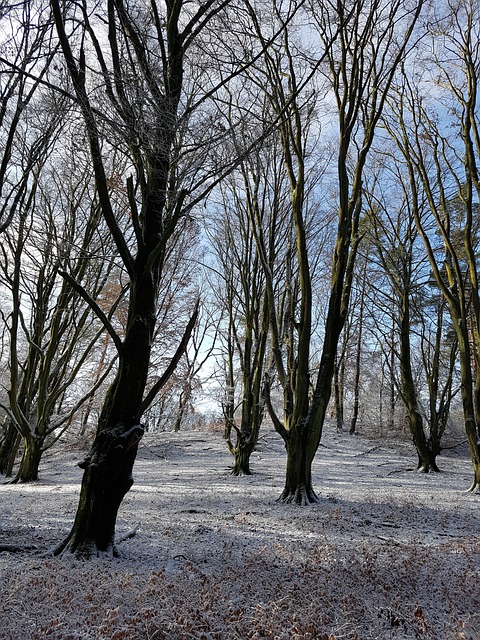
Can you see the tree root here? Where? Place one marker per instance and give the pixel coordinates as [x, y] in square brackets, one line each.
[474, 488]
[14, 548]
[301, 496]
[85, 550]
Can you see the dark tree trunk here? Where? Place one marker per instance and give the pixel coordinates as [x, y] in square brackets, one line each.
[8, 449]
[243, 451]
[338, 387]
[468, 400]
[106, 480]
[30, 462]
[358, 357]
[298, 487]
[108, 467]
[426, 456]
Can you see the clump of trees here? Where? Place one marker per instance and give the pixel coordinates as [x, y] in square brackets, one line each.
[185, 185]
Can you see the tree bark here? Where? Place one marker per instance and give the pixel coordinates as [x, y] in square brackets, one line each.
[8, 449]
[30, 462]
[426, 456]
[298, 487]
[106, 480]
[242, 452]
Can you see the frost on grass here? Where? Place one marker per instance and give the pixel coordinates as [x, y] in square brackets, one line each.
[386, 553]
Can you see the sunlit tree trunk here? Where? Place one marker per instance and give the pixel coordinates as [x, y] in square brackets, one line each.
[359, 71]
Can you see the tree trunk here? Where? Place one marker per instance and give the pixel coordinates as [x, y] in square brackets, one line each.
[242, 452]
[106, 480]
[468, 401]
[32, 454]
[298, 478]
[8, 449]
[426, 457]
[338, 396]
[108, 467]
[358, 358]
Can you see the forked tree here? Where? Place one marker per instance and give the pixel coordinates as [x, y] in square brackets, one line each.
[251, 196]
[139, 54]
[394, 243]
[445, 188]
[361, 46]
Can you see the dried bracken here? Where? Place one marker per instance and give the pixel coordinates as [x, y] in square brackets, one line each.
[383, 555]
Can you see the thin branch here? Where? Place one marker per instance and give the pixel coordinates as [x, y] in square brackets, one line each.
[149, 398]
[96, 309]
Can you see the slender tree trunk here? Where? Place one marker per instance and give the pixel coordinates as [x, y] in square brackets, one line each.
[426, 457]
[338, 396]
[391, 407]
[8, 449]
[358, 357]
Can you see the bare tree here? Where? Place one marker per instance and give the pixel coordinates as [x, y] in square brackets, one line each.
[251, 198]
[153, 112]
[361, 47]
[445, 188]
[52, 332]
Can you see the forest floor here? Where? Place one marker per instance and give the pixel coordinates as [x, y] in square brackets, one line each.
[387, 553]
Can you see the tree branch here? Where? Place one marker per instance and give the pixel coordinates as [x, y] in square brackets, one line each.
[147, 401]
[96, 309]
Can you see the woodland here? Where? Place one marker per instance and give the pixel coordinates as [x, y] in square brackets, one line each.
[244, 217]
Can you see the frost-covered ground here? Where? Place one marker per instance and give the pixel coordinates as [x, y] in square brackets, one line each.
[387, 553]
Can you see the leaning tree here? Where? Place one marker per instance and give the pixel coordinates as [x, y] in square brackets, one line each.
[146, 108]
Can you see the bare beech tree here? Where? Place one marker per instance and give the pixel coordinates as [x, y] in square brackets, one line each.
[252, 197]
[156, 78]
[53, 333]
[394, 242]
[361, 46]
[445, 188]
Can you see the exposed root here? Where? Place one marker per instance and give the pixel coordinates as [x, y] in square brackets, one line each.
[428, 468]
[86, 549]
[474, 488]
[13, 548]
[302, 496]
[130, 534]
[240, 472]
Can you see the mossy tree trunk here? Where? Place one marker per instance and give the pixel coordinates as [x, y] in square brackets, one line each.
[353, 55]
[30, 462]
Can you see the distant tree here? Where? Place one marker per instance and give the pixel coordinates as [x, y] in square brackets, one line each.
[52, 332]
[359, 326]
[25, 60]
[394, 241]
[250, 199]
[445, 189]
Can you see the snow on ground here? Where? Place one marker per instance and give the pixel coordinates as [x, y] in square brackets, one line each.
[388, 553]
